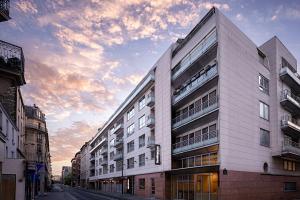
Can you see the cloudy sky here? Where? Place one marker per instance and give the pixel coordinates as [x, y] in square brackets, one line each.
[84, 57]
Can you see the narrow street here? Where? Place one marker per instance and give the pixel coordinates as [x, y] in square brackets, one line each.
[61, 192]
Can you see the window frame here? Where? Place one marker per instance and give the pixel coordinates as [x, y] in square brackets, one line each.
[263, 84]
[143, 120]
[263, 105]
[142, 103]
[262, 137]
[142, 162]
[142, 183]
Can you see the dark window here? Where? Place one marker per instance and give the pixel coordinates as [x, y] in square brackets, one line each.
[290, 186]
[142, 160]
[263, 84]
[264, 138]
[152, 186]
[142, 183]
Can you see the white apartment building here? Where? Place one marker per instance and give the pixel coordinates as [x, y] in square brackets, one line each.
[216, 117]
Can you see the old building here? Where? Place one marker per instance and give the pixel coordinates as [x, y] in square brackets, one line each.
[216, 117]
[84, 165]
[37, 152]
[76, 169]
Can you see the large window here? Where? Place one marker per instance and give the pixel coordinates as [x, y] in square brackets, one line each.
[289, 165]
[111, 155]
[142, 160]
[119, 165]
[130, 146]
[142, 103]
[142, 183]
[264, 138]
[290, 186]
[264, 110]
[142, 121]
[130, 163]
[263, 84]
[130, 129]
[130, 113]
[111, 168]
[142, 141]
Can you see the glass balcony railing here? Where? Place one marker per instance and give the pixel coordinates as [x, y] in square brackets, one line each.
[195, 84]
[151, 141]
[290, 125]
[118, 142]
[150, 121]
[195, 113]
[150, 100]
[290, 146]
[202, 140]
[197, 52]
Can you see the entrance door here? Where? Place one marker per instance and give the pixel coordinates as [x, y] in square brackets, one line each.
[8, 186]
[130, 185]
[206, 186]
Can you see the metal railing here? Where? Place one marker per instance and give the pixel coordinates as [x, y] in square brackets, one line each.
[286, 119]
[116, 128]
[195, 83]
[118, 141]
[197, 141]
[285, 93]
[103, 150]
[197, 111]
[11, 57]
[36, 126]
[290, 146]
[4, 7]
[198, 51]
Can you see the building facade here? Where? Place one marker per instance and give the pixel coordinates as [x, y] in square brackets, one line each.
[65, 172]
[75, 180]
[216, 117]
[37, 152]
[85, 165]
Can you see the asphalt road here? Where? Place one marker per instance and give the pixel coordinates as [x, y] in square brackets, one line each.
[61, 192]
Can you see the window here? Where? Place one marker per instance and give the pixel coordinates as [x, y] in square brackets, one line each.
[130, 113]
[111, 155]
[263, 84]
[289, 165]
[142, 160]
[290, 186]
[100, 171]
[142, 121]
[264, 110]
[142, 141]
[264, 138]
[130, 146]
[142, 183]
[111, 168]
[142, 103]
[130, 163]
[152, 155]
[130, 129]
[152, 186]
[119, 165]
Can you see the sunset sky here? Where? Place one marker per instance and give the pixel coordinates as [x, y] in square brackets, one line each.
[83, 57]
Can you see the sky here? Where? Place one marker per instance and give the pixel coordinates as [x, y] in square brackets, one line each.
[84, 57]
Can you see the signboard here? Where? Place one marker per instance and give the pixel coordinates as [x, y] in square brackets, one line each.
[157, 154]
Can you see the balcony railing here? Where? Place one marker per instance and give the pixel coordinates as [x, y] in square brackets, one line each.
[290, 146]
[116, 128]
[195, 84]
[195, 113]
[118, 142]
[118, 156]
[103, 150]
[290, 78]
[150, 99]
[4, 10]
[150, 121]
[92, 167]
[151, 141]
[103, 162]
[197, 52]
[35, 126]
[12, 61]
[290, 101]
[290, 125]
[202, 140]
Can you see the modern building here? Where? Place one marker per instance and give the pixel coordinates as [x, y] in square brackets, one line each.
[216, 117]
[37, 152]
[4, 10]
[65, 172]
[75, 180]
[85, 165]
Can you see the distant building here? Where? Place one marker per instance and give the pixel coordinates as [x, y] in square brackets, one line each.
[65, 172]
[76, 169]
[85, 165]
[37, 151]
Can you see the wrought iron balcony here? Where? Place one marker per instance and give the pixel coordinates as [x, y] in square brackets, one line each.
[290, 102]
[196, 53]
[4, 10]
[195, 84]
[12, 62]
[116, 129]
[150, 121]
[290, 148]
[290, 126]
[290, 78]
[118, 156]
[203, 140]
[195, 113]
[150, 100]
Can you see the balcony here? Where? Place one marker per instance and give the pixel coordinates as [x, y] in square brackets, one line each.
[92, 167]
[92, 159]
[118, 142]
[116, 129]
[290, 126]
[103, 162]
[150, 121]
[196, 53]
[12, 63]
[4, 10]
[151, 142]
[195, 113]
[203, 140]
[290, 78]
[103, 150]
[195, 84]
[290, 102]
[290, 148]
[35, 126]
[150, 99]
[118, 156]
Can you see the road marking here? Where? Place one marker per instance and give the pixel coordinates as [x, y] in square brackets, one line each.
[71, 196]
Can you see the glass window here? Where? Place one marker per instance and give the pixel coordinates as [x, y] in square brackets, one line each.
[130, 146]
[205, 159]
[198, 161]
[263, 84]
[142, 160]
[152, 155]
[152, 186]
[119, 165]
[130, 129]
[111, 155]
[142, 103]
[264, 138]
[130, 113]
[264, 110]
[130, 163]
[289, 165]
[142, 183]
[142, 141]
[111, 168]
[142, 121]
[290, 186]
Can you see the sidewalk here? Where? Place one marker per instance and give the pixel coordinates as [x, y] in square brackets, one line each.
[116, 195]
